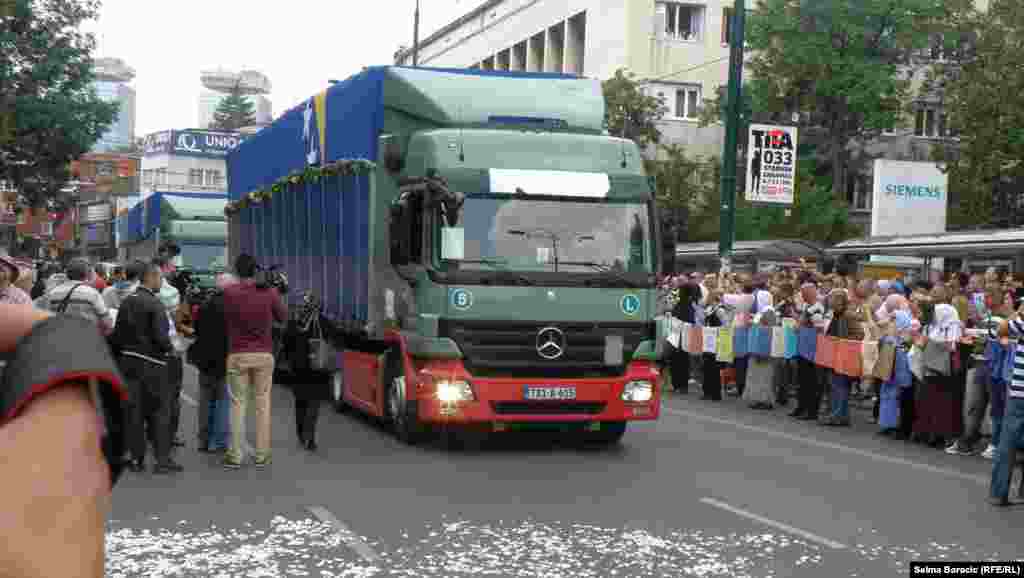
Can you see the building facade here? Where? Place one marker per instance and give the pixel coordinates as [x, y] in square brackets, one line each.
[187, 160]
[112, 85]
[679, 50]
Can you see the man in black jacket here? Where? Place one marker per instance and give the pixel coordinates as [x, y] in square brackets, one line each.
[141, 336]
[209, 354]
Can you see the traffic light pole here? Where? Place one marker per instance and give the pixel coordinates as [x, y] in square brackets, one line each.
[732, 129]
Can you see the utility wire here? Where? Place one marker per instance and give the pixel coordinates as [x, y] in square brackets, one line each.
[685, 70]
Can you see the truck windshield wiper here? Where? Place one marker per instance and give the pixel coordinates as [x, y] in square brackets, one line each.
[606, 271]
[501, 267]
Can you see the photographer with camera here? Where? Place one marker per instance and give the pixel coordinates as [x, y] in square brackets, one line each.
[251, 307]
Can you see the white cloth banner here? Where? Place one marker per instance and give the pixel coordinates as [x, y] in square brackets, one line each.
[710, 340]
[778, 342]
[675, 332]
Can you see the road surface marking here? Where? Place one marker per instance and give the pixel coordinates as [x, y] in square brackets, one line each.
[348, 536]
[983, 480]
[245, 444]
[777, 525]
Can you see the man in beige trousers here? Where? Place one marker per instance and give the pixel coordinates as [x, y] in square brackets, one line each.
[250, 309]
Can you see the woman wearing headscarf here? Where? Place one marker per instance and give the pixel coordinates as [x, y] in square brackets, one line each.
[715, 315]
[890, 392]
[846, 324]
[688, 297]
[938, 405]
[761, 368]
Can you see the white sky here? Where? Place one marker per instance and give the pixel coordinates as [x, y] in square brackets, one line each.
[299, 45]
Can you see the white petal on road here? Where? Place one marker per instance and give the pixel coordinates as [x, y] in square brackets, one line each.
[464, 548]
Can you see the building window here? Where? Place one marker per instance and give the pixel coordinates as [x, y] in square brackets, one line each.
[195, 176]
[683, 21]
[931, 122]
[213, 178]
[147, 177]
[687, 105]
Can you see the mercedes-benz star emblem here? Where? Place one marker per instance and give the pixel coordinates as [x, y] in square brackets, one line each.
[550, 343]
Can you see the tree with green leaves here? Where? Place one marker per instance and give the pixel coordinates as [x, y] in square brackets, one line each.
[234, 111]
[979, 84]
[630, 112]
[818, 214]
[686, 186]
[51, 110]
[844, 66]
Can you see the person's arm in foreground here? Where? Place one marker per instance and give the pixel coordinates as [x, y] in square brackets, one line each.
[57, 482]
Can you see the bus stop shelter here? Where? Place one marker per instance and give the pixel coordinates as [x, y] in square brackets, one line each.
[748, 255]
[978, 247]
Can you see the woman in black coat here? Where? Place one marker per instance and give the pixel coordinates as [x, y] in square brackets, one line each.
[209, 355]
[689, 297]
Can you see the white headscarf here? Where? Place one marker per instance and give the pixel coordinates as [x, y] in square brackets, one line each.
[946, 325]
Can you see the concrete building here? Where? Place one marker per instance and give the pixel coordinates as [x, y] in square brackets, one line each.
[111, 84]
[187, 160]
[677, 49]
[217, 83]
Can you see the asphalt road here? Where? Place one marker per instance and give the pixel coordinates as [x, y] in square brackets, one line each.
[708, 490]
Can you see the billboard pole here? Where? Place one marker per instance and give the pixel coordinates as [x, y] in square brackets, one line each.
[727, 232]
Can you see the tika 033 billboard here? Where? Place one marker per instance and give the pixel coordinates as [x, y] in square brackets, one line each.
[771, 164]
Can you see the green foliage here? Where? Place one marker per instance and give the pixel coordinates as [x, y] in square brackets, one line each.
[234, 111]
[52, 111]
[817, 214]
[840, 64]
[629, 113]
[979, 86]
[685, 186]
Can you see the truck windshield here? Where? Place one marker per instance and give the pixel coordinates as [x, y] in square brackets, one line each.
[505, 232]
[203, 256]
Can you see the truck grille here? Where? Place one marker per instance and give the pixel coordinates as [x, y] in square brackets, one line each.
[547, 408]
[509, 348]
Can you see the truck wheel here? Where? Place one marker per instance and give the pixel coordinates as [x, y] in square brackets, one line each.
[401, 411]
[610, 434]
[338, 392]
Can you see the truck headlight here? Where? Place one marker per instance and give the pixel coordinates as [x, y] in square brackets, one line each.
[638, 391]
[453, 391]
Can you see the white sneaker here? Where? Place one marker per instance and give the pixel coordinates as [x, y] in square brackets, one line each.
[989, 452]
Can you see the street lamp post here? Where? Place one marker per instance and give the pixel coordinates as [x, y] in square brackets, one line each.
[727, 232]
[416, 36]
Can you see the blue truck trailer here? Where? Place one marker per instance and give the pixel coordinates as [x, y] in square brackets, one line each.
[485, 253]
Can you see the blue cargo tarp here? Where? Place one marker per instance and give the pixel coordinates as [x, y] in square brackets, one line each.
[354, 117]
[140, 221]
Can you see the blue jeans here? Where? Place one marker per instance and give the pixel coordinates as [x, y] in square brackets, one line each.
[840, 396]
[1012, 436]
[998, 410]
[218, 418]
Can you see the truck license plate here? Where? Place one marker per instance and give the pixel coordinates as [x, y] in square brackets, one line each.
[549, 393]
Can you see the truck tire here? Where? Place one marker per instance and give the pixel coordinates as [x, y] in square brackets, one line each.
[402, 413]
[609, 435]
[337, 387]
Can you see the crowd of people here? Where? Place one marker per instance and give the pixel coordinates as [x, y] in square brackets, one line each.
[933, 357]
[153, 330]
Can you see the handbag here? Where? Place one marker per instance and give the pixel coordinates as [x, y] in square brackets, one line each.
[322, 355]
[937, 357]
[886, 361]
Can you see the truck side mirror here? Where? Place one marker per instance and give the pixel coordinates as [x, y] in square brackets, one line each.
[391, 153]
[398, 233]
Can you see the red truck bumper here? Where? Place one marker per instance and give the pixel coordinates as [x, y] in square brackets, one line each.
[503, 400]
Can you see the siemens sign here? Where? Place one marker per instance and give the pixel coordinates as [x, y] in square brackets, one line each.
[204, 143]
[913, 191]
[909, 198]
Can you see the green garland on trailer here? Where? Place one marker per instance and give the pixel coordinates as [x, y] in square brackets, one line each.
[342, 167]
